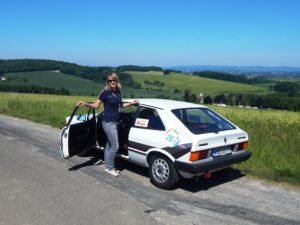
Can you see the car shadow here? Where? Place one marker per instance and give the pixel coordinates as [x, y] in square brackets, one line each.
[192, 185]
[217, 178]
[197, 184]
[95, 158]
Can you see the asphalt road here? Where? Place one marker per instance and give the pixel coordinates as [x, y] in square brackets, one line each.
[38, 187]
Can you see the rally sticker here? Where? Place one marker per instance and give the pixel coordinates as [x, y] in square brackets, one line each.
[141, 122]
[172, 137]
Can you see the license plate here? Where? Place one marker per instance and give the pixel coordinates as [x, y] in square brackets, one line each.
[220, 152]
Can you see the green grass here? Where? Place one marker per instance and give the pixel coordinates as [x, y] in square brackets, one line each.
[76, 85]
[151, 73]
[196, 84]
[274, 136]
[172, 81]
[274, 140]
[46, 109]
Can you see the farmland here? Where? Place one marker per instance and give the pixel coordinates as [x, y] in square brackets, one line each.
[274, 135]
[196, 84]
[79, 86]
[76, 85]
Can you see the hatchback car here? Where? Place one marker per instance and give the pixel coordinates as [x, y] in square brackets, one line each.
[172, 139]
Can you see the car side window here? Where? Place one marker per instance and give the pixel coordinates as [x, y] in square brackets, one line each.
[82, 114]
[148, 118]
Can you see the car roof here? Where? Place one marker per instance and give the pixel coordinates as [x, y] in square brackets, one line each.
[165, 103]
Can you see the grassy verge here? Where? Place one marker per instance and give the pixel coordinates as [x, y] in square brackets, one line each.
[47, 109]
[274, 142]
[274, 135]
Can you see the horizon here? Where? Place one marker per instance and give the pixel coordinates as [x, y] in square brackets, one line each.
[243, 66]
[291, 67]
[170, 33]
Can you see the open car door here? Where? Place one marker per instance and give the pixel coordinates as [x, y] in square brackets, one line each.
[80, 132]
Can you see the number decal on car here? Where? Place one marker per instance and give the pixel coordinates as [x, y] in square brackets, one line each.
[172, 137]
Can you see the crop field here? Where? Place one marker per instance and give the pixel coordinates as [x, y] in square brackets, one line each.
[274, 135]
[171, 82]
[196, 84]
[78, 85]
[151, 73]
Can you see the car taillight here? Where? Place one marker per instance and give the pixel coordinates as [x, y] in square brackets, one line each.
[243, 146]
[194, 156]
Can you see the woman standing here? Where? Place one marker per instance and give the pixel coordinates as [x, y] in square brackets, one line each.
[111, 98]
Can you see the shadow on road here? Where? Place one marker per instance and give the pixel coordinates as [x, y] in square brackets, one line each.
[216, 179]
[192, 185]
[96, 158]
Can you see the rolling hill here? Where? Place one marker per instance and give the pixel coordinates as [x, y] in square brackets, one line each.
[197, 85]
[76, 85]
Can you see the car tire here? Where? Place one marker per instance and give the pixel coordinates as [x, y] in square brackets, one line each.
[162, 172]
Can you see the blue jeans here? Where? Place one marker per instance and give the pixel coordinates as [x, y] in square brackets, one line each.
[112, 145]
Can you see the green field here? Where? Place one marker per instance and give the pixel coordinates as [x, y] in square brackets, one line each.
[172, 81]
[78, 85]
[274, 135]
[151, 73]
[274, 140]
[196, 84]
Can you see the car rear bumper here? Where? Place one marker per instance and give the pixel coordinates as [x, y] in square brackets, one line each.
[214, 164]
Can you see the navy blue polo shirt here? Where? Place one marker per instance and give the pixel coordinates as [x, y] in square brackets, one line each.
[112, 101]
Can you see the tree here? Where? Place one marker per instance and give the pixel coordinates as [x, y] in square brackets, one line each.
[260, 102]
[186, 95]
[291, 88]
[220, 99]
[208, 100]
[193, 98]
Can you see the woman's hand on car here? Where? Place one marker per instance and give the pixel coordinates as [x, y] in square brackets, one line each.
[80, 103]
[135, 101]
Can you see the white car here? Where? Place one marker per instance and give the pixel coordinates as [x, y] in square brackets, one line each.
[172, 138]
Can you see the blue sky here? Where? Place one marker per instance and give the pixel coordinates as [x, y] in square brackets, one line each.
[153, 32]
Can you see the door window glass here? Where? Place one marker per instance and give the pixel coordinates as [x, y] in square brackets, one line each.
[149, 118]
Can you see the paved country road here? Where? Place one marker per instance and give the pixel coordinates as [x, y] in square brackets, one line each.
[38, 187]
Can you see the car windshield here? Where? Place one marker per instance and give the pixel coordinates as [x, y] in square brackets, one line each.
[202, 120]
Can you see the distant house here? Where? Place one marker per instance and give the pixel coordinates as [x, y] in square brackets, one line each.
[2, 77]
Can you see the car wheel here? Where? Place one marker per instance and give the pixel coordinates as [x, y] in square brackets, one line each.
[163, 173]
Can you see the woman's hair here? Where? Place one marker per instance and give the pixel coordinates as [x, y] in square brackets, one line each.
[113, 76]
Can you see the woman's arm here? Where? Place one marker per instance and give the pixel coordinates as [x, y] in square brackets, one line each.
[92, 105]
[127, 104]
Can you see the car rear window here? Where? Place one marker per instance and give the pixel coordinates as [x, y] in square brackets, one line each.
[202, 120]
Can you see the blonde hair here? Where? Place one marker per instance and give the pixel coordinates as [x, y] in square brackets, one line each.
[113, 76]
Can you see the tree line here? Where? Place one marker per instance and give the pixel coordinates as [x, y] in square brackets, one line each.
[232, 78]
[96, 74]
[274, 101]
[33, 89]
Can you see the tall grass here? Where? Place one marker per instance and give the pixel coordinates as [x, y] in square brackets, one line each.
[196, 84]
[274, 136]
[47, 109]
[274, 140]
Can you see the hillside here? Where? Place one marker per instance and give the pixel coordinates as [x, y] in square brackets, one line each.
[76, 85]
[197, 85]
[80, 86]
